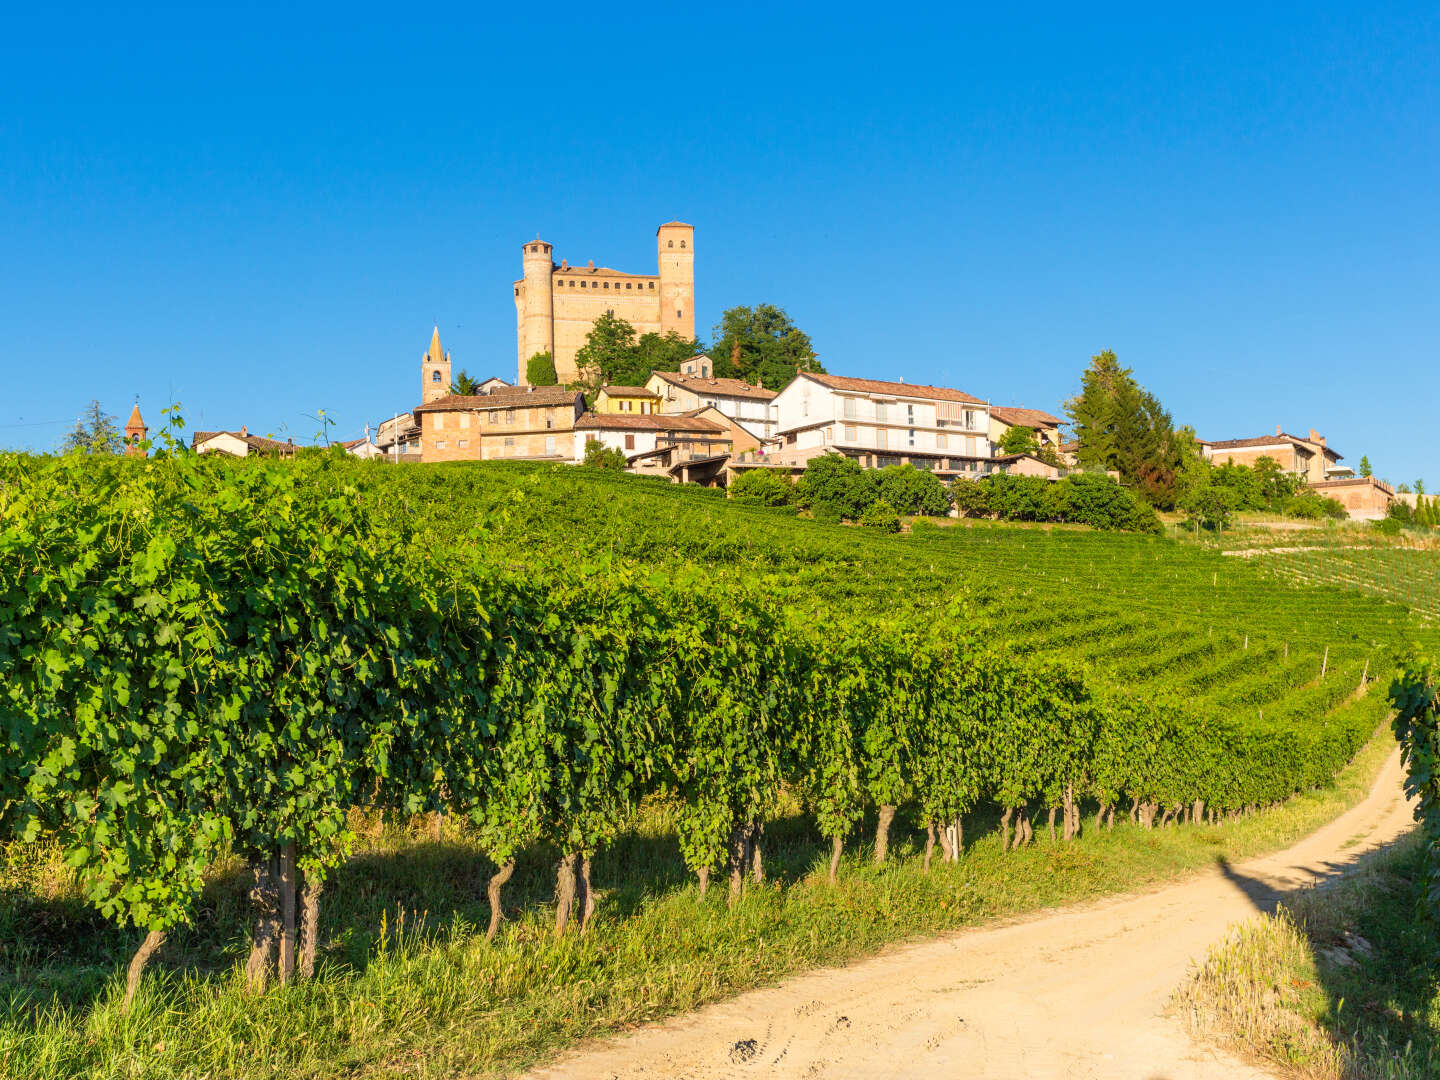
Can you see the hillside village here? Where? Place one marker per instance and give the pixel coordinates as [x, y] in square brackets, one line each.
[693, 426]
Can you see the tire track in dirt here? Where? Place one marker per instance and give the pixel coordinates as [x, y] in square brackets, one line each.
[1077, 993]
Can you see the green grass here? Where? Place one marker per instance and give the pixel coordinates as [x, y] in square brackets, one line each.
[408, 986]
[1340, 984]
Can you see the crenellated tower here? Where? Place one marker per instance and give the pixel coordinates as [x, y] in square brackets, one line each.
[675, 246]
[434, 371]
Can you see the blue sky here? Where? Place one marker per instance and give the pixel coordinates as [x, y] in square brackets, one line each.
[260, 212]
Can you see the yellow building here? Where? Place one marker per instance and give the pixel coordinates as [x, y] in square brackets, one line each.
[555, 306]
[630, 400]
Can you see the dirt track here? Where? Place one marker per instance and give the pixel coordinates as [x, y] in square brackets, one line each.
[1075, 993]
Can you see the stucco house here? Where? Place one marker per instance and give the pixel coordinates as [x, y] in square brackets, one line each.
[1364, 497]
[239, 444]
[639, 400]
[694, 387]
[1309, 459]
[881, 423]
[691, 437]
[1045, 426]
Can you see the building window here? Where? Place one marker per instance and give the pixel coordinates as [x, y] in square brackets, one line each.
[909, 414]
[879, 410]
[628, 285]
[510, 416]
[439, 421]
[940, 443]
[679, 314]
[493, 417]
[582, 284]
[682, 243]
[670, 243]
[550, 445]
[435, 376]
[850, 408]
[850, 433]
[464, 419]
[652, 285]
[463, 444]
[607, 284]
[439, 444]
[629, 442]
[912, 436]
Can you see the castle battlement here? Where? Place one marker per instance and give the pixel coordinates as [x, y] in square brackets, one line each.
[556, 305]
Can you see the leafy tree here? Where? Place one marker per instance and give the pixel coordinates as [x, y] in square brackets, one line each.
[95, 433]
[761, 345]
[1419, 487]
[465, 384]
[912, 491]
[1365, 469]
[766, 486]
[1019, 440]
[881, 515]
[609, 348]
[657, 352]
[600, 456]
[1402, 489]
[972, 497]
[540, 370]
[1211, 506]
[837, 481]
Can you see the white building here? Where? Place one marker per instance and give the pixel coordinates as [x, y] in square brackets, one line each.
[881, 423]
[695, 387]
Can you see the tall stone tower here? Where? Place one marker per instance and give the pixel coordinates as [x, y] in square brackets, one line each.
[535, 304]
[434, 371]
[135, 430]
[675, 243]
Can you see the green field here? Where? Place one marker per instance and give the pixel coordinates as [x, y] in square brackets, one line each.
[563, 646]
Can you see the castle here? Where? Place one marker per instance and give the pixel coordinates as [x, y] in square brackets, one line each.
[555, 306]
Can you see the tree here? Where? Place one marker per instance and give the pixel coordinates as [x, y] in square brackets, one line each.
[1122, 426]
[765, 486]
[1019, 440]
[912, 491]
[1419, 487]
[881, 515]
[657, 352]
[609, 348]
[95, 433]
[1365, 469]
[600, 456]
[540, 370]
[761, 345]
[1211, 506]
[465, 383]
[836, 481]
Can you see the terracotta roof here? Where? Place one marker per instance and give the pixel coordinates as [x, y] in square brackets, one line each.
[509, 397]
[1031, 418]
[1070, 447]
[135, 421]
[1271, 440]
[627, 391]
[719, 387]
[435, 354]
[599, 270]
[354, 443]
[654, 422]
[896, 389]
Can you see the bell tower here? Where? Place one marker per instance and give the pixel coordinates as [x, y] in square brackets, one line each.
[135, 430]
[434, 371]
[675, 246]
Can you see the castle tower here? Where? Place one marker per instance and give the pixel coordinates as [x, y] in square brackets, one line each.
[434, 371]
[675, 244]
[135, 430]
[534, 304]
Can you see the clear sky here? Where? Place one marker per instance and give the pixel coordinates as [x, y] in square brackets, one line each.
[260, 212]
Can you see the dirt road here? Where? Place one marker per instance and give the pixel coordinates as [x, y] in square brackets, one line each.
[1077, 993]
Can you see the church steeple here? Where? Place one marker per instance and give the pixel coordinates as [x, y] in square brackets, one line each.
[135, 430]
[434, 371]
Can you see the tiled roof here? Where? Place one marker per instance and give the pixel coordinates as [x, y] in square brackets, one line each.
[599, 270]
[507, 397]
[135, 421]
[735, 388]
[654, 422]
[895, 389]
[1031, 418]
[255, 442]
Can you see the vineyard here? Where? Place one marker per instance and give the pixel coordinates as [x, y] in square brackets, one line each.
[206, 664]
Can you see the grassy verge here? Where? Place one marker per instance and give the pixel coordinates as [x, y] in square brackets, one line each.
[408, 986]
[1340, 984]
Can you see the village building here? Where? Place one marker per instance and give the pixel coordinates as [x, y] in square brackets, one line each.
[520, 422]
[1045, 426]
[555, 306]
[493, 383]
[694, 386]
[362, 448]
[1310, 459]
[692, 437]
[1364, 497]
[1025, 465]
[881, 423]
[398, 438]
[639, 400]
[742, 440]
[239, 444]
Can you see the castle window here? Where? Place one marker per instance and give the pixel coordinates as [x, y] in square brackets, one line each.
[678, 313]
[670, 243]
[435, 376]
[607, 284]
[652, 285]
[682, 243]
[627, 284]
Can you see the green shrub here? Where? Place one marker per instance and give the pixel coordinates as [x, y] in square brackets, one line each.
[540, 370]
[881, 515]
[600, 456]
[839, 481]
[765, 486]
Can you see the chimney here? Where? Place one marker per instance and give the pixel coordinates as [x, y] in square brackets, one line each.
[1279, 430]
[1316, 437]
